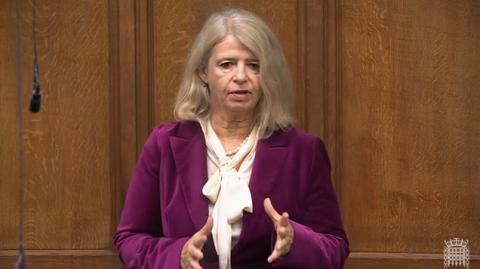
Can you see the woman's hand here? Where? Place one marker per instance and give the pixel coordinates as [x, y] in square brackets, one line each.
[192, 250]
[282, 227]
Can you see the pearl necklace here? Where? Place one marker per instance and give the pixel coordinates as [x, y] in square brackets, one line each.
[231, 153]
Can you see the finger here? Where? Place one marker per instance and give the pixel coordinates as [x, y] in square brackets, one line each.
[284, 219]
[207, 227]
[271, 212]
[195, 253]
[274, 256]
[194, 264]
[277, 250]
[282, 231]
[198, 240]
[282, 246]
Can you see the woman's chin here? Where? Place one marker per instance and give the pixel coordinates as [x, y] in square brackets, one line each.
[243, 108]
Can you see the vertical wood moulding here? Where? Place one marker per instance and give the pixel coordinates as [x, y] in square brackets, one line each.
[144, 71]
[127, 87]
[151, 70]
[301, 89]
[332, 17]
[122, 91]
[314, 67]
[114, 113]
[141, 83]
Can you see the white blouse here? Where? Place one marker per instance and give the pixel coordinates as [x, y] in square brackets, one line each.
[227, 189]
[244, 173]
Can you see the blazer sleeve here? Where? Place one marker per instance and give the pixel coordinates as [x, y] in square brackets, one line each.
[319, 239]
[139, 237]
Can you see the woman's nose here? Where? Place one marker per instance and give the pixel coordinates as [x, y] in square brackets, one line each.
[240, 75]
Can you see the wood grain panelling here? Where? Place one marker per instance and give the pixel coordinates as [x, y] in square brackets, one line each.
[176, 24]
[8, 129]
[391, 86]
[123, 97]
[67, 151]
[68, 200]
[53, 260]
[406, 262]
[144, 70]
[313, 67]
[410, 129]
[324, 94]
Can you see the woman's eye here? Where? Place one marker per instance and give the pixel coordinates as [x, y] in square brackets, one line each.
[254, 66]
[226, 65]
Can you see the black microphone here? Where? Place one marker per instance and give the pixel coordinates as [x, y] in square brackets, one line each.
[36, 99]
[36, 95]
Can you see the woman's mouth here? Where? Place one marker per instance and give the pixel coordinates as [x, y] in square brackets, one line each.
[240, 95]
[240, 92]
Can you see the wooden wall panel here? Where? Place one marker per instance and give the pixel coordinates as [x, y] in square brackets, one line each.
[402, 263]
[177, 22]
[314, 68]
[123, 95]
[410, 134]
[391, 86]
[8, 129]
[68, 171]
[67, 150]
[52, 260]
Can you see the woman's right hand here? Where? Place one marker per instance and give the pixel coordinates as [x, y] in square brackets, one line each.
[192, 250]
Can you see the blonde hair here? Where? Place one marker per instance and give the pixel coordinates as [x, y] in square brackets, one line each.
[273, 111]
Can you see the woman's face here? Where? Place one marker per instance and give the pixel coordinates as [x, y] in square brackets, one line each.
[233, 75]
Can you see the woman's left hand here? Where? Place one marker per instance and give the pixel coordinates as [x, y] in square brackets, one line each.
[282, 227]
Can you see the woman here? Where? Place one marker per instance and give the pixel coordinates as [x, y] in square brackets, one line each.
[232, 184]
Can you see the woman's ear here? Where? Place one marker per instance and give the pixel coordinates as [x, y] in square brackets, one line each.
[202, 74]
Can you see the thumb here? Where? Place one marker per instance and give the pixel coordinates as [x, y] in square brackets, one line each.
[270, 210]
[207, 227]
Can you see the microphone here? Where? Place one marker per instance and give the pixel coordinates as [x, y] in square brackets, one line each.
[36, 99]
[36, 95]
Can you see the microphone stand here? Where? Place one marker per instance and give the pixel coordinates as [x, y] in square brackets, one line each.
[34, 108]
[21, 158]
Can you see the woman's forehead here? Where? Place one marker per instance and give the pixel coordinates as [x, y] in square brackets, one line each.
[231, 45]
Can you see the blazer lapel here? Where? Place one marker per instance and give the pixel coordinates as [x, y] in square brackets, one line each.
[189, 153]
[269, 158]
[271, 153]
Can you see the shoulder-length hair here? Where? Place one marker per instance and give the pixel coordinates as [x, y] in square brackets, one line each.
[273, 111]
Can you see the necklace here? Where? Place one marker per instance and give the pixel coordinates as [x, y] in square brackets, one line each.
[235, 150]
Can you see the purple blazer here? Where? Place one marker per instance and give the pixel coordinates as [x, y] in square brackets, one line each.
[164, 206]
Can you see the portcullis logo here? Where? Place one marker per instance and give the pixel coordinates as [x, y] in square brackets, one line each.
[456, 253]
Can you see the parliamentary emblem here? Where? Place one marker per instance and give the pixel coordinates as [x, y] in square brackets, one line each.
[456, 253]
